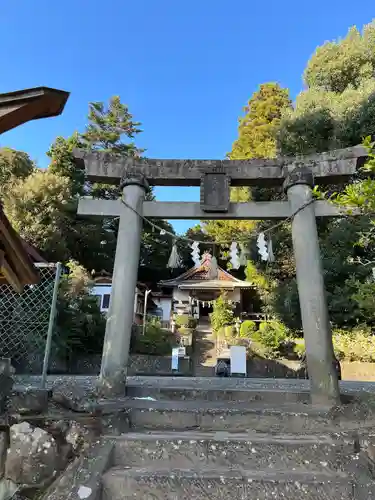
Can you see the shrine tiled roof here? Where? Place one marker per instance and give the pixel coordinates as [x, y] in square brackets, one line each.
[201, 274]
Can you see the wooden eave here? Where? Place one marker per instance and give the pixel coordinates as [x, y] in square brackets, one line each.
[16, 266]
[23, 106]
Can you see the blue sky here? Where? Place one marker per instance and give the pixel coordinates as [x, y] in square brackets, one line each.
[186, 69]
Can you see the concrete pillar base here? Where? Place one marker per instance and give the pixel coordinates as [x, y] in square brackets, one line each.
[113, 385]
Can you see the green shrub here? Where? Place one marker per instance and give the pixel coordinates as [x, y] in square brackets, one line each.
[357, 344]
[181, 319]
[153, 321]
[186, 336]
[227, 333]
[185, 330]
[271, 335]
[184, 320]
[299, 348]
[230, 331]
[80, 325]
[247, 329]
[222, 314]
[156, 341]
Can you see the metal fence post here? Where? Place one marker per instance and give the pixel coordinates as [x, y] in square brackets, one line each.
[51, 325]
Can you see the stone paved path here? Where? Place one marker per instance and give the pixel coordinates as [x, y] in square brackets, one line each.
[204, 356]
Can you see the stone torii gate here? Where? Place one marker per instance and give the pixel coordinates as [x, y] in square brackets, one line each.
[215, 177]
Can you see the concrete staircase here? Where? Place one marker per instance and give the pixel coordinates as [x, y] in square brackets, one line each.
[220, 440]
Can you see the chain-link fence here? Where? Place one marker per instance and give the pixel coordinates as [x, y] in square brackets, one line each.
[26, 321]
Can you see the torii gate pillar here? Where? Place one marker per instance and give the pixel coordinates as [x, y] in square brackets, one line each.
[324, 387]
[112, 380]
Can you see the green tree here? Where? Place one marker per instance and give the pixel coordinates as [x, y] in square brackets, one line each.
[257, 128]
[93, 245]
[361, 196]
[337, 108]
[222, 313]
[43, 208]
[62, 162]
[13, 165]
[155, 252]
[108, 126]
[90, 241]
[36, 206]
[79, 323]
[347, 62]
[106, 130]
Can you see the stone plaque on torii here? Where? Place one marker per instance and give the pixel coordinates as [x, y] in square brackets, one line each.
[215, 177]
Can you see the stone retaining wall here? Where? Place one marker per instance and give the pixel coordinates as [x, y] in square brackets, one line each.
[256, 367]
[357, 370]
[158, 365]
[273, 368]
[284, 368]
[139, 365]
[149, 365]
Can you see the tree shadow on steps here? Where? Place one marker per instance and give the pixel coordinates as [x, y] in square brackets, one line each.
[260, 367]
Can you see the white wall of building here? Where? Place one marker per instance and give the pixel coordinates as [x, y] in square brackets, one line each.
[104, 292]
[183, 295]
[182, 298]
[165, 304]
[101, 291]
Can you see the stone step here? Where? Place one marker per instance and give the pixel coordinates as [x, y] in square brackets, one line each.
[271, 390]
[182, 393]
[254, 451]
[152, 483]
[230, 416]
[206, 383]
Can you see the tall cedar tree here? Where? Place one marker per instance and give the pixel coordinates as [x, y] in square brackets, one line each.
[257, 129]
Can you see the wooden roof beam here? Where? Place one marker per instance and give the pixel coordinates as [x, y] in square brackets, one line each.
[15, 252]
[9, 274]
[23, 106]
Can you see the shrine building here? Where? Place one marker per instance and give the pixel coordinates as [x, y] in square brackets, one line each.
[194, 291]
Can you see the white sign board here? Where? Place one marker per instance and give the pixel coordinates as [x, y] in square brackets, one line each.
[182, 352]
[238, 359]
[175, 351]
